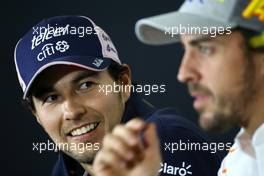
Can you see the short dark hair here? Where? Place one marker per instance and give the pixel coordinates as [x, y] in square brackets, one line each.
[115, 70]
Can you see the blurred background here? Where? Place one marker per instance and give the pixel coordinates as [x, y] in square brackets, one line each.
[150, 65]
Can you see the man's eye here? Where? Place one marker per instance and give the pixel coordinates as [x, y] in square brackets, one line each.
[207, 50]
[50, 98]
[86, 85]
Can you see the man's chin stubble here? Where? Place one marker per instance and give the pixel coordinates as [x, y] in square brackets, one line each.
[82, 157]
[217, 123]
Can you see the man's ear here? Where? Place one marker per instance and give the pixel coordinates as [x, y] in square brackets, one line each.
[36, 116]
[260, 58]
[125, 81]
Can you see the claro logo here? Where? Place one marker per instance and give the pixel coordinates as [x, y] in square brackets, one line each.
[173, 170]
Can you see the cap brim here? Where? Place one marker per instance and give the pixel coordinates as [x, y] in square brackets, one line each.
[152, 30]
[86, 62]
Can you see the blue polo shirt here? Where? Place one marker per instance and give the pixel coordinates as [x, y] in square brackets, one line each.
[183, 145]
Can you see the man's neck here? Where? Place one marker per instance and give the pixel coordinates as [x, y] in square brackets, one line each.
[256, 117]
[253, 125]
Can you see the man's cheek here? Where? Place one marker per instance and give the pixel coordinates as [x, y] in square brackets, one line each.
[55, 134]
[104, 127]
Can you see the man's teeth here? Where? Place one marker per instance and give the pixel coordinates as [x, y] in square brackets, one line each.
[84, 129]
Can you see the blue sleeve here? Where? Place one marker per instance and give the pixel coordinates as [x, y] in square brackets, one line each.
[183, 146]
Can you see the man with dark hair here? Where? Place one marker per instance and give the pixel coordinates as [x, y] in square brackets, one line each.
[223, 67]
[64, 65]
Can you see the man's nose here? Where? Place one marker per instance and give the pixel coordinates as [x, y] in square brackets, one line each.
[188, 71]
[73, 109]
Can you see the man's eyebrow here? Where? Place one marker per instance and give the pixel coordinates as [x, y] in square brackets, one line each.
[198, 40]
[42, 90]
[83, 75]
[203, 38]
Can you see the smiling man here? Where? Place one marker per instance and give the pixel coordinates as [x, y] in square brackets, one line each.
[86, 121]
[64, 76]
[223, 67]
[60, 72]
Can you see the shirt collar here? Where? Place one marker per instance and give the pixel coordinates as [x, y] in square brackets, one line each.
[257, 138]
[247, 143]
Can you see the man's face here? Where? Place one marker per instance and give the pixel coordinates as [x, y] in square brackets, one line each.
[74, 111]
[221, 77]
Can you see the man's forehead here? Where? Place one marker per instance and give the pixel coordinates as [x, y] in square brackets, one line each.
[57, 71]
[198, 38]
[54, 74]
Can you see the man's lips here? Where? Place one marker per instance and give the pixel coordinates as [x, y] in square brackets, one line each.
[83, 132]
[200, 100]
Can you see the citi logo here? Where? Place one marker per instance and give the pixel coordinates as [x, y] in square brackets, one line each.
[49, 49]
[172, 170]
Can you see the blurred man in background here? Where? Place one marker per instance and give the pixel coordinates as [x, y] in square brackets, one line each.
[223, 67]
